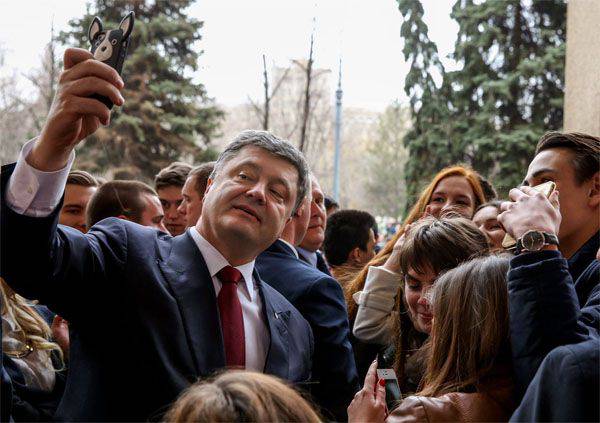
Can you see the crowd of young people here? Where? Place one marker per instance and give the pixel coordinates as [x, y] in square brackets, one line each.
[228, 292]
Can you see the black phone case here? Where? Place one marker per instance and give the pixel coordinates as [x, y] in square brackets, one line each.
[117, 64]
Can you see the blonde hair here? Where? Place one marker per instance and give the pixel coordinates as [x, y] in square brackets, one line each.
[240, 395]
[474, 179]
[470, 331]
[29, 324]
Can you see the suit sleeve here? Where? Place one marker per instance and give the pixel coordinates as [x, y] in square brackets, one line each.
[544, 311]
[59, 266]
[333, 360]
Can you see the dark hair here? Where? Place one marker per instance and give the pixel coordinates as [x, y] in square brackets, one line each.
[585, 148]
[439, 244]
[117, 198]
[173, 175]
[81, 178]
[495, 203]
[330, 202]
[346, 230]
[201, 174]
[489, 192]
[275, 146]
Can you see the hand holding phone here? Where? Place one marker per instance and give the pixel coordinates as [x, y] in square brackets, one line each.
[392, 388]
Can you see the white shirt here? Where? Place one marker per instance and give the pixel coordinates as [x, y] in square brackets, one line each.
[256, 332]
[32, 192]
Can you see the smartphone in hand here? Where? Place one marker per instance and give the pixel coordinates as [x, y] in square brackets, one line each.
[547, 188]
[392, 388]
[110, 46]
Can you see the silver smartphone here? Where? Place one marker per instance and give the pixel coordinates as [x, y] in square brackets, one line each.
[392, 389]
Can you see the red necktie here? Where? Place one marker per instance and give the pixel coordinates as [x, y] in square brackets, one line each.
[232, 321]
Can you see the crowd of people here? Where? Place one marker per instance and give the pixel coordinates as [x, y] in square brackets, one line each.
[236, 290]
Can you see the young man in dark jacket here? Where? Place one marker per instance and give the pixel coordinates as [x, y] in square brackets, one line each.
[554, 279]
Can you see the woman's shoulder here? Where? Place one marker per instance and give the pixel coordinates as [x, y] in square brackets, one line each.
[494, 405]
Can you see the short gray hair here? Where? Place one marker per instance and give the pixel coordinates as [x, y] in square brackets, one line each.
[277, 147]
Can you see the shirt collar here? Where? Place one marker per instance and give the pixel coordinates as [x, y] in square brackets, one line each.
[309, 256]
[215, 261]
[291, 247]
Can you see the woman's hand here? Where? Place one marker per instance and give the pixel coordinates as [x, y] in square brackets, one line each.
[393, 263]
[368, 404]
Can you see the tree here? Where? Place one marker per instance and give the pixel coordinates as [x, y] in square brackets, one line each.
[427, 144]
[167, 115]
[264, 112]
[387, 157]
[510, 88]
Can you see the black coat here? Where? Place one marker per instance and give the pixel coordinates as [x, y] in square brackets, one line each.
[548, 310]
[142, 312]
[320, 300]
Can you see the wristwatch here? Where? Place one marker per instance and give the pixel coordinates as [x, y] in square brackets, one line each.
[534, 241]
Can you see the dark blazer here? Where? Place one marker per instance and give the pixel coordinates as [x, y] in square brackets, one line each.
[565, 387]
[142, 310]
[320, 300]
[545, 312]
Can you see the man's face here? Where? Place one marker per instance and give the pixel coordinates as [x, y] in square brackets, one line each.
[152, 215]
[556, 164]
[74, 207]
[318, 218]
[191, 206]
[170, 198]
[249, 202]
[369, 252]
[302, 218]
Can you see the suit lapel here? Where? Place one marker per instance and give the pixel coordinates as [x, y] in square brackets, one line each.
[277, 318]
[188, 276]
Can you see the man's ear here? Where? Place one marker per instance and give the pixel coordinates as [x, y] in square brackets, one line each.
[354, 256]
[594, 195]
[209, 183]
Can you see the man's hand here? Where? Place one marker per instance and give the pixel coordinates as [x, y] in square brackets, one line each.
[74, 115]
[60, 333]
[530, 210]
[368, 404]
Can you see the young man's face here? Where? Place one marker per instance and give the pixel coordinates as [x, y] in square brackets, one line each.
[191, 206]
[170, 198]
[556, 164]
[152, 215]
[74, 207]
[249, 201]
[318, 219]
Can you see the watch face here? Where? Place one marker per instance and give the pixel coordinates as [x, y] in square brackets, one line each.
[533, 241]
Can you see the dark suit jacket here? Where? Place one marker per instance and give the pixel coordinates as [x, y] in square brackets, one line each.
[142, 309]
[320, 300]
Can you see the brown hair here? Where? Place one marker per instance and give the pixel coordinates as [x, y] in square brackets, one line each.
[173, 175]
[495, 203]
[470, 332]
[201, 173]
[239, 395]
[415, 213]
[81, 178]
[585, 148]
[117, 198]
[436, 244]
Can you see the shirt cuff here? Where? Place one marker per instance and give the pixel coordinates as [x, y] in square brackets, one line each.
[32, 192]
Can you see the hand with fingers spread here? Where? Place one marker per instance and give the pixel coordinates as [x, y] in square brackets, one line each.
[530, 210]
[368, 404]
[73, 114]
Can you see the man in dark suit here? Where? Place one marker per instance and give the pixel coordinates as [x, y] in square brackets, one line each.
[308, 247]
[320, 300]
[151, 313]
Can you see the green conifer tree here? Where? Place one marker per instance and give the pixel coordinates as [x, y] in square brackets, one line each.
[167, 114]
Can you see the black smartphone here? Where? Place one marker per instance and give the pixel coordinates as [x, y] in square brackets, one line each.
[392, 388]
[110, 46]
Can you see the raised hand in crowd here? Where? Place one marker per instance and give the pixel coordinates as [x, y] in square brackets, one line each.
[60, 334]
[369, 404]
[73, 114]
[530, 210]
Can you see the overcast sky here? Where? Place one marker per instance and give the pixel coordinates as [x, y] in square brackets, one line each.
[236, 34]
